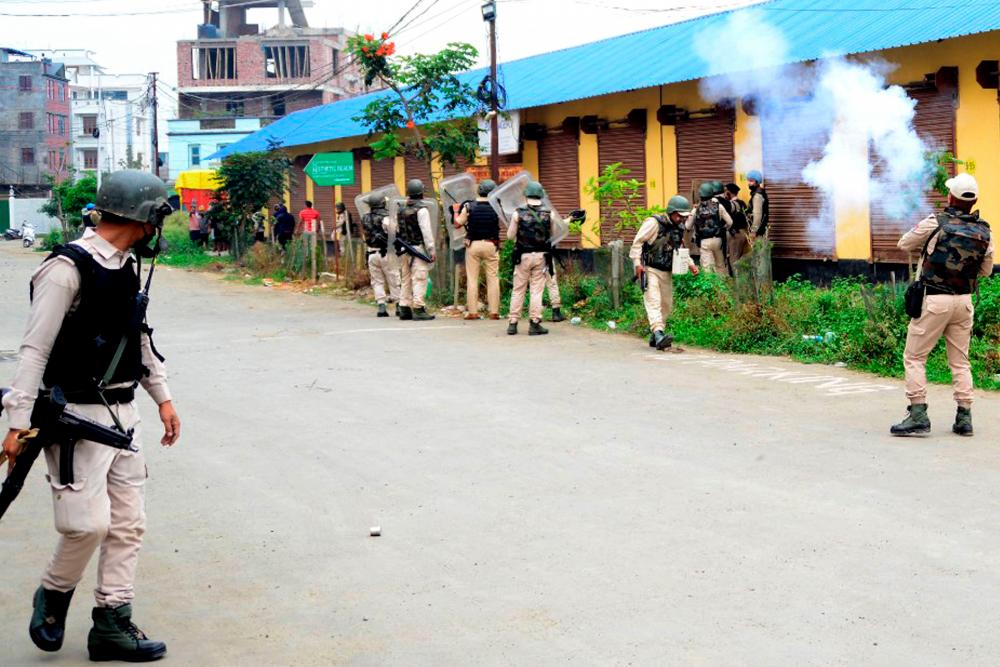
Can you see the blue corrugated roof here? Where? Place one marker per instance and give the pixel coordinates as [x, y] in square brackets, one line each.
[666, 54]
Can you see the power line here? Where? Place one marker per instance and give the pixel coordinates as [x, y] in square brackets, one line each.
[403, 17]
[416, 17]
[175, 10]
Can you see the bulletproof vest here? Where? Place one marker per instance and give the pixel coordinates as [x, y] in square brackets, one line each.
[90, 335]
[483, 223]
[409, 226]
[960, 247]
[707, 220]
[765, 209]
[659, 253]
[738, 212]
[375, 235]
[534, 229]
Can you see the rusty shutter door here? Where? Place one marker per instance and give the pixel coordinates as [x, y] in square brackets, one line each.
[382, 173]
[324, 204]
[349, 192]
[798, 226]
[705, 152]
[934, 121]
[559, 174]
[298, 184]
[628, 146]
[416, 168]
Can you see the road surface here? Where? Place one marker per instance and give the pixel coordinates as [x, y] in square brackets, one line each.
[566, 500]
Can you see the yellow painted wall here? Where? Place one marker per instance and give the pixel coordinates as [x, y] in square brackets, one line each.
[338, 194]
[399, 173]
[590, 233]
[529, 157]
[366, 175]
[310, 189]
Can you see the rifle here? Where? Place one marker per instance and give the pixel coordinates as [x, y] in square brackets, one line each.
[404, 248]
[53, 424]
[643, 281]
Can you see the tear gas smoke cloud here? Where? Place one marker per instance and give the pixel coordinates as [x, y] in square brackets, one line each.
[824, 124]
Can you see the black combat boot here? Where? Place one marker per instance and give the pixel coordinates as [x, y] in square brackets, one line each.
[963, 421]
[382, 312]
[115, 637]
[536, 329]
[916, 423]
[421, 314]
[512, 329]
[48, 620]
[652, 340]
[405, 313]
[557, 315]
[397, 311]
[662, 340]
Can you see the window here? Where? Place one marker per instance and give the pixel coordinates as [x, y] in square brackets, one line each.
[62, 125]
[27, 156]
[90, 158]
[24, 83]
[119, 95]
[89, 124]
[217, 62]
[278, 105]
[62, 92]
[195, 154]
[51, 159]
[235, 107]
[26, 120]
[74, 94]
[62, 159]
[336, 60]
[286, 62]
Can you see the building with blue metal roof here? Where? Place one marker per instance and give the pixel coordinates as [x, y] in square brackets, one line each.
[639, 99]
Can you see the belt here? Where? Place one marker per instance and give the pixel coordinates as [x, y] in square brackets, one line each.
[91, 397]
[933, 290]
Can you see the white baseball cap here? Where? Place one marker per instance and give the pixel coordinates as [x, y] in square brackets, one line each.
[963, 187]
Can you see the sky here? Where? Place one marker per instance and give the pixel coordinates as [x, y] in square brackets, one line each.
[139, 36]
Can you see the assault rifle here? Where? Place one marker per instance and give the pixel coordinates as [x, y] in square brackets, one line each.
[643, 281]
[53, 424]
[404, 248]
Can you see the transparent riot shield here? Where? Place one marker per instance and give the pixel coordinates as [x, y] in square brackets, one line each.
[389, 192]
[397, 204]
[510, 196]
[455, 191]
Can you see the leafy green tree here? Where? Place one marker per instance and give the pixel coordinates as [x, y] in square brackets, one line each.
[249, 182]
[619, 197]
[68, 198]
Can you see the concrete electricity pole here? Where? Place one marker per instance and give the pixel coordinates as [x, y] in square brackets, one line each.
[156, 129]
[490, 16]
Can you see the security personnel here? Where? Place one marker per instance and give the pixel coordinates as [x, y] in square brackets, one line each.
[652, 253]
[532, 228]
[415, 227]
[739, 243]
[81, 329]
[956, 250]
[759, 207]
[482, 243]
[710, 221]
[552, 289]
[382, 268]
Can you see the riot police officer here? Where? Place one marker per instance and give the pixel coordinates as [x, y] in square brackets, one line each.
[652, 253]
[532, 228]
[482, 243]
[415, 228]
[759, 206]
[710, 222]
[83, 337]
[382, 267]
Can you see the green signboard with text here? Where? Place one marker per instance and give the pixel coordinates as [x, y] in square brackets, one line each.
[327, 169]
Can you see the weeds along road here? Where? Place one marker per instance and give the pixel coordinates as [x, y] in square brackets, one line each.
[572, 499]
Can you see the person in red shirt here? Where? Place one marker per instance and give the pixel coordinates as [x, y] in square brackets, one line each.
[311, 224]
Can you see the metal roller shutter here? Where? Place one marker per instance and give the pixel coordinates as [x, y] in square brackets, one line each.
[324, 204]
[349, 192]
[628, 146]
[559, 173]
[297, 179]
[935, 123]
[382, 173]
[416, 168]
[705, 152]
[797, 227]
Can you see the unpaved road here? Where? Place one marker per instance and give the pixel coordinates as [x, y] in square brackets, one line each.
[571, 499]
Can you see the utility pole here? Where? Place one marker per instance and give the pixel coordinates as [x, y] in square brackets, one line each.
[101, 116]
[490, 15]
[156, 130]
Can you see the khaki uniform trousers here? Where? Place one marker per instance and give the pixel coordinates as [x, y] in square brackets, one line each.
[712, 259]
[739, 246]
[104, 506]
[658, 297]
[529, 274]
[948, 315]
[552, 287]
[482, 253]
[413, 279]
[384, 272]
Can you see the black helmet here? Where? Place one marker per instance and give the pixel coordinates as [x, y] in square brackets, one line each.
[415, 188]
[486, 186]
[134, 195]
[375, 200]
[340, 206]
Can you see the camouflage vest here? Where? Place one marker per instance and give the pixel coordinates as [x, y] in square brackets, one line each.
[659, 253]
[961, 245]
[375, 235]
[707, 220]
[534, 229]
[409, 226]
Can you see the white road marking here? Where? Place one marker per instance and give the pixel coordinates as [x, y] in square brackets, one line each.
[346, 332]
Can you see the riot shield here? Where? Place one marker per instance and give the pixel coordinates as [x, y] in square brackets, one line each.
[395, 205]
[455, 191]
[510, 196]
[391, 193]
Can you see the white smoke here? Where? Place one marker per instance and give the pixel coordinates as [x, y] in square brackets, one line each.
[838, 117]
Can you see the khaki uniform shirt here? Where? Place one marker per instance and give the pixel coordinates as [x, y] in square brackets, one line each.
[756, 212]
[57, 293]
[913, 241]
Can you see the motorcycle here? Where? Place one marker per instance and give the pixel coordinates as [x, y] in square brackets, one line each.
[27, 235]
[12, 234]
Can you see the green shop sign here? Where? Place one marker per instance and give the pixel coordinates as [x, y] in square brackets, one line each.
[331, 169]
